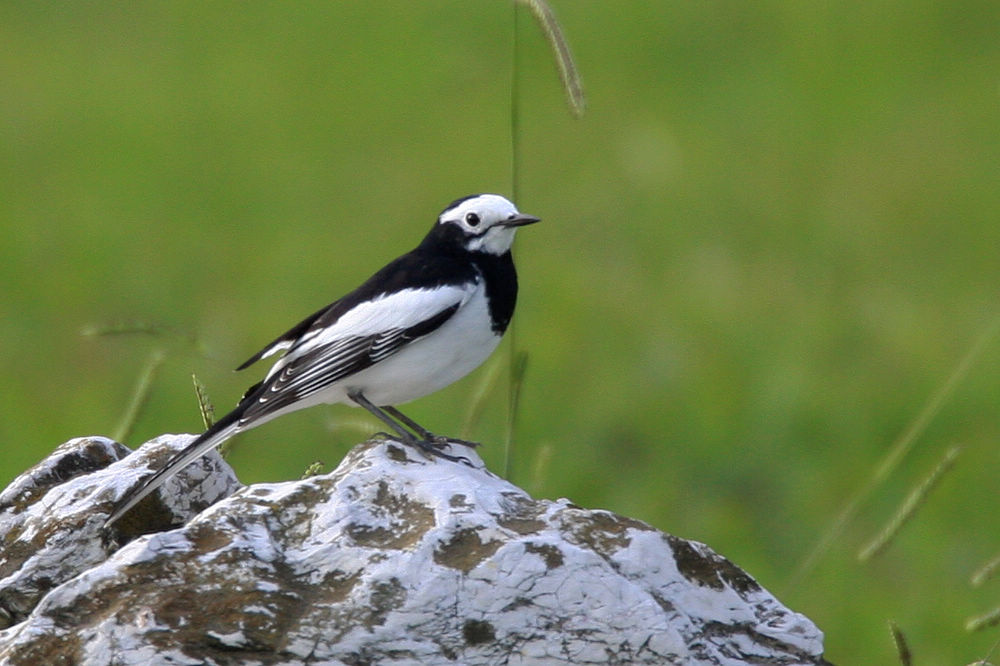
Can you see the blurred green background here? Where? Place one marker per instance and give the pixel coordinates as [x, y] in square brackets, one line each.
[766, 246]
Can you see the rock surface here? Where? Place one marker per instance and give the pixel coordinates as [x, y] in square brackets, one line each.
[390, 559]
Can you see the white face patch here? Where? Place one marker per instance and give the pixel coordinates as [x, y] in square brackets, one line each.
[478, 217]
[496, 240]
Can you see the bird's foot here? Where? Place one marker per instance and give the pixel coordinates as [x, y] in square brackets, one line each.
[433, 447]
[441, 440]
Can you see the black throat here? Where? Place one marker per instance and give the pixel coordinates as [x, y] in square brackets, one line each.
[497, 271]
[500, 279]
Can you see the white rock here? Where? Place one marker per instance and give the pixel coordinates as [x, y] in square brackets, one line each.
[50, 516]
[396, 559]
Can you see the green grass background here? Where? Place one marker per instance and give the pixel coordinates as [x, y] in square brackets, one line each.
[765, 247]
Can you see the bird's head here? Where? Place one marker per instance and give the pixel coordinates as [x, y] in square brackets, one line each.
[481, 223]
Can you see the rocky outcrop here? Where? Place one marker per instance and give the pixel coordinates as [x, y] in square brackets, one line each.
[393, 558]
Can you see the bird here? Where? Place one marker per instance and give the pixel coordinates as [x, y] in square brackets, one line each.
[422, 322]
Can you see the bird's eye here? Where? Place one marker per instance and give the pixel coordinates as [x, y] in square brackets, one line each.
[472, 219]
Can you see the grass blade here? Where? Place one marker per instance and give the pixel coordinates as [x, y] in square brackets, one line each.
[124, 328]
[480, 399]
[984, 621]
[913, 501]
[573, 87]
[985, 661]
[315, 468]
[902, 649]
[518, 368]
[902, 446]
[542, 460]
[568, 73]
[205, 405]
[139, 396]
[985, 572]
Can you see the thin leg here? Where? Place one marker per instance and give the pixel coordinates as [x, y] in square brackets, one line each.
[406, 436]
[385, 418]
[424, 432]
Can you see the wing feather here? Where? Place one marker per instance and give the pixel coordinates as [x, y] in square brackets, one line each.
[359, 339]
[288, 338]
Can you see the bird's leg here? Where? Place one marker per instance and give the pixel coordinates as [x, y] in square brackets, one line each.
[424, 432]
[426, 445]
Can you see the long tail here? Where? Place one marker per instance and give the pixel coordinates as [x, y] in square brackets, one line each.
[222, 430]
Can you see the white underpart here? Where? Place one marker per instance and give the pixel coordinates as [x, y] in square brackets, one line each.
[429, 364]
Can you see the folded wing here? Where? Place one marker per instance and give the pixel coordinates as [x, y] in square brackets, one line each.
[325, 354]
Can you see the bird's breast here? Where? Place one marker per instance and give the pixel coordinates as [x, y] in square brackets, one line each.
[430, 363]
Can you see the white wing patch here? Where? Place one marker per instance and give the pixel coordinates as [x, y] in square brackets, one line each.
[390, 312]
[276, 347]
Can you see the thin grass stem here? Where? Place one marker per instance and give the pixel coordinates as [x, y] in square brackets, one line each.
[140, 395]
[480, 399]
[101, 330]
[985, 661]
[902, 649]
[518, 370]
[205, 406]
[568, 73]
[908, 508]
[542, 462]
[902, 446]
[515, 189]
[985, 572]
[984, 621]
[573, 86]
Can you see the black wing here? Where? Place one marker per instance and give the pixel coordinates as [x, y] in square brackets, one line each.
[288, 338]
[413, 270]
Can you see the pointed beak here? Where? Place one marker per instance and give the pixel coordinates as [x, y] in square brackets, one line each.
[519, 220]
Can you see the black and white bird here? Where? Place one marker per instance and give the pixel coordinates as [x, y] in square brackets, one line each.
[424, 321]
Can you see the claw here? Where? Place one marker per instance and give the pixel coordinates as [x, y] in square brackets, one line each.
[441, 440]
[434, 446]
